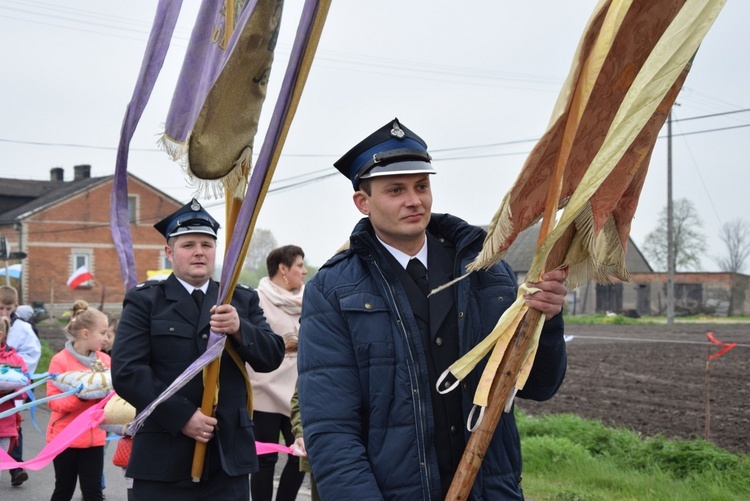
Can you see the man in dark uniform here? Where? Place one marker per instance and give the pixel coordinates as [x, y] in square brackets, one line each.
[164, 327]
[372, 343]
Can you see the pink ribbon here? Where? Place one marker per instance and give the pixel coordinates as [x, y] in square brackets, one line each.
[87, 420]
[266, 448]
[90, 419]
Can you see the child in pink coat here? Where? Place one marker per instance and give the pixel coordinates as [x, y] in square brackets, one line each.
[84, 459]
[8, 356]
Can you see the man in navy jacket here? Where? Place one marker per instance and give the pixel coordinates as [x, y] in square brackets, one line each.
[372, 344]
[164, 328]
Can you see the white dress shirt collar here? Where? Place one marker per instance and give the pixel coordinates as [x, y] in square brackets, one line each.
[403, 258]
[189, 288]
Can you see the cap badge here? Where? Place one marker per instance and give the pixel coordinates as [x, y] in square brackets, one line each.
[195, 205]
[396, 131]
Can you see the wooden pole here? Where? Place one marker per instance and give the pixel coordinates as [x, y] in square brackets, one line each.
[104, 295]
[707, 433]
[510, 366]
[207, 404]
[501, 389]
[211, 373]
[51, 297]
[228, 22]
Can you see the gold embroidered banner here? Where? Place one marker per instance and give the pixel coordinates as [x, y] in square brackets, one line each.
[629, 67]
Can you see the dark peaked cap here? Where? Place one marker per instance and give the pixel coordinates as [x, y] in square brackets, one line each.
[190, 218]
[392, 149]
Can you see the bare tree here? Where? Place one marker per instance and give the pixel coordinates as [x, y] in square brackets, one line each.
[689, 242]
[736, 237]
[261, 243]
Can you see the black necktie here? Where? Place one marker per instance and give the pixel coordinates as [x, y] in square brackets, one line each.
[198, 296]
[418, 273]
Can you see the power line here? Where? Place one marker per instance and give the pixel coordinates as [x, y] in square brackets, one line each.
[700, 177]
[705, 131]
[712, 115]
[330, 59]
[279, 187]
[67, 15]
[75, 145]
[438, 150]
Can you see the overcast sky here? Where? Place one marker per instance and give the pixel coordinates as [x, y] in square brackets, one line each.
[477, 83]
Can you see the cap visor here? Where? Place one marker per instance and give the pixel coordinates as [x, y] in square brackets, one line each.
[395, 168]
[184, 230]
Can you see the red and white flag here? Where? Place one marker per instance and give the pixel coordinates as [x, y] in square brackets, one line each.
[80, 276]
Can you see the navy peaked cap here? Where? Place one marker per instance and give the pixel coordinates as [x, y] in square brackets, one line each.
[392, 149]
[190, 218]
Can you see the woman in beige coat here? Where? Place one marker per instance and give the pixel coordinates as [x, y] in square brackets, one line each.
[281, 299]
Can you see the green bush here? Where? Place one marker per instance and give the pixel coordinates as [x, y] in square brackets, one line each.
[567, 457]
[43, 365]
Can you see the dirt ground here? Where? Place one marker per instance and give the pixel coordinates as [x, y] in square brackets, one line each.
[652, 379]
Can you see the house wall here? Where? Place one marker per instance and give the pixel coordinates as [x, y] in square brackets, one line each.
[740, 295]
[81, 224]
[721, 294]
[712, 293]
[583, 300]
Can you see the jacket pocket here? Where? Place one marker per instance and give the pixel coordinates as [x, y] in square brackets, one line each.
[244, 455]
[369, 320]
[173, 340]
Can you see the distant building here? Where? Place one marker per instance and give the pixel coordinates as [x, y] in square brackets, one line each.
[62, 225]
[715, 293]
[719, 294]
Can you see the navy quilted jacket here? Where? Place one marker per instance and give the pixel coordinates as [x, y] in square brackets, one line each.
[363, 384]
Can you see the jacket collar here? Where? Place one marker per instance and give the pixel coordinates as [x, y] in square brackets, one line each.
[175, 292]
[449, 228]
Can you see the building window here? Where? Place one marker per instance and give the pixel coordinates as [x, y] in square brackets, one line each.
[133, 209]
[166, 264]
[83, 257]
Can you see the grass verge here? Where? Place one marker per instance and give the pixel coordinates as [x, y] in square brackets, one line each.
[568, 458]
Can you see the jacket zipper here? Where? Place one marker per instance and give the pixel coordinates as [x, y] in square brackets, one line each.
[417, 401]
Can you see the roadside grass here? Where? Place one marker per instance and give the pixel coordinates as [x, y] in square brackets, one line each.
[609, 320]
[43, 365]
[568, 458]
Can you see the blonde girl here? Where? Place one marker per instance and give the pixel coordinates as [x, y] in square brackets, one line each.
[84, 459]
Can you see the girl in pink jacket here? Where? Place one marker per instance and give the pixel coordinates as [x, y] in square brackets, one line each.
[8, 356]
[84, 459]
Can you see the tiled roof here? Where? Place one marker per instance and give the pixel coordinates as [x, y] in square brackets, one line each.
[27, 188]
[43, 192]
[521, 253]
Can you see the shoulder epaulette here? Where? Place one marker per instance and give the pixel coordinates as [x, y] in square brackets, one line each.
[148, 284]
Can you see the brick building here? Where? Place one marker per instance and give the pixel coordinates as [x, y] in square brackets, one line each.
[62, 225]
[589, 298]
[715, 293]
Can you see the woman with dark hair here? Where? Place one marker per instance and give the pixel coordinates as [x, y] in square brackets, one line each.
[281, 299]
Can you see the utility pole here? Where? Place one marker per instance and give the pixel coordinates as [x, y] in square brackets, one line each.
[670, 228]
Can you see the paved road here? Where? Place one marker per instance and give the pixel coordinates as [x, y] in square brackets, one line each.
[41, 483]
